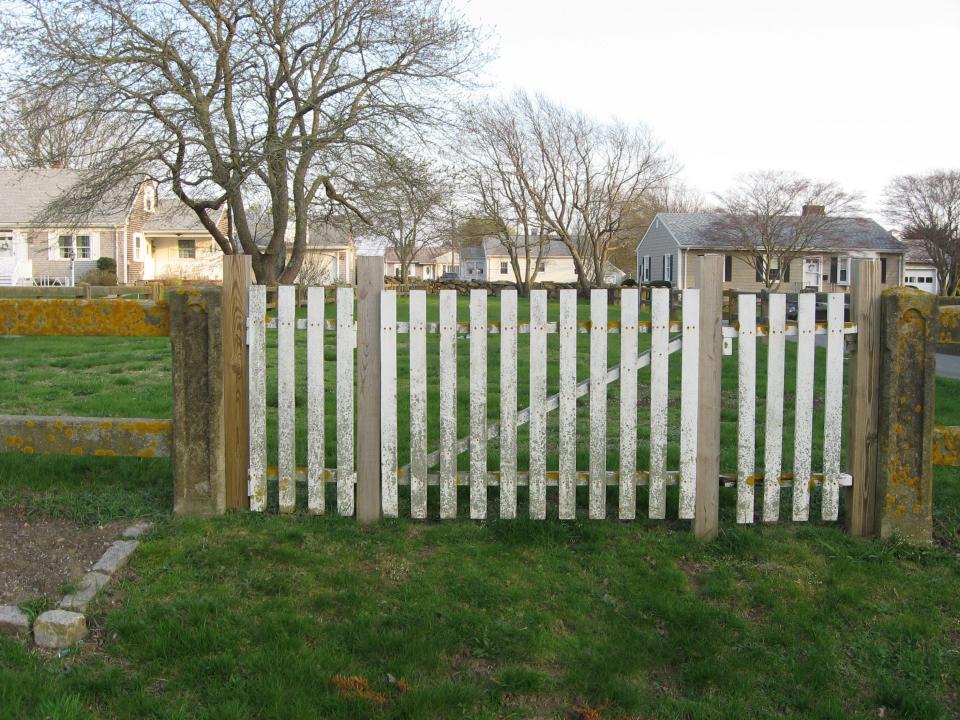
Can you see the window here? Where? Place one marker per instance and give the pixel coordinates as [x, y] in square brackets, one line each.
[187, 248]
[543, 266]
[645, 269]
[138, 243]
[396, 271]
[6, 243]
[149, 198]
[728, 268]
[883, 271]
[668, 268]
[843, 271]
[503, 268]
[77, 247]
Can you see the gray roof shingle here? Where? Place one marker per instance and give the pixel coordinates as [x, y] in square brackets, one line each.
[696, 230]
[24, 194]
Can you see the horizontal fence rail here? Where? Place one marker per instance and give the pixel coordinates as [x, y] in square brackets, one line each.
[102, 437]
[84, 318]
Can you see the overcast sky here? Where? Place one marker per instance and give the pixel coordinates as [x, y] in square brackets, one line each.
[850, 90]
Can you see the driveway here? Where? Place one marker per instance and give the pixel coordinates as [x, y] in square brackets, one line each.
[947, 365]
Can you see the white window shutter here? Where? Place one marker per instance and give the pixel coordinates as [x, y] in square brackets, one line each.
[52, 246]
[94, 245]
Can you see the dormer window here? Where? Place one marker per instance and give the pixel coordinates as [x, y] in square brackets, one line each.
[149, 198]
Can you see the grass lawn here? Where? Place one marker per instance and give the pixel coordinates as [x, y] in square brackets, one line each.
[313, 617]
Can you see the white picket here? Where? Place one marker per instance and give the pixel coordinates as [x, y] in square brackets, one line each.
[315, 409]
[346, 334]
[833, 410]
[388, 403]
[773, 430]
[747, 405]
[659, 373]
[629, 309]
[286, 397]
[598, 404]
[538, 410]
[257, 362]
[508, 404]
[418, 404]
[689, 402]
[803, 406]
[448, 404]
[567, 445]
[478, 404]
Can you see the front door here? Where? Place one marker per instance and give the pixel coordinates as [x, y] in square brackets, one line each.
[811, 272]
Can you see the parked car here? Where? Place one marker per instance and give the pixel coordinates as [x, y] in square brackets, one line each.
[449, 276]
[820, 313]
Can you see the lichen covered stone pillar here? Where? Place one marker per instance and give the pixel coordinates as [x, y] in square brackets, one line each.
[197, 446]
[905, 448]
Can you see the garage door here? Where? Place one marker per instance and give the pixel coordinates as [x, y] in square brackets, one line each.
[922, 280]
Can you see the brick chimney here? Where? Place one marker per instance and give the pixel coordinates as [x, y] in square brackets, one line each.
[814, 210]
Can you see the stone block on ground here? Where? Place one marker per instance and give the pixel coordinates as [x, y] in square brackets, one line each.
[59, 629]
[13, 621]
[116, 556]
[86, 590]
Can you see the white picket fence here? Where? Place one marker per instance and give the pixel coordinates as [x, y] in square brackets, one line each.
[667, 336]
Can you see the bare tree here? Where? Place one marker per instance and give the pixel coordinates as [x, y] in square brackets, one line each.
[409, 209]
[60, 130]
[927, 210]
[276, 100]
[773, 217]
[498, 158]
[579, 176]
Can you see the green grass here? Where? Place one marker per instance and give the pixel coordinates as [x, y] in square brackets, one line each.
[249, 616]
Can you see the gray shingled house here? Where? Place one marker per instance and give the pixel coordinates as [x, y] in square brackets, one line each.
[669, 248]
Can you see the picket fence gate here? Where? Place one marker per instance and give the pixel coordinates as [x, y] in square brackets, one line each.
[667, 336]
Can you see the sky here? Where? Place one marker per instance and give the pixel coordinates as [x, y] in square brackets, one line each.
[855, 91]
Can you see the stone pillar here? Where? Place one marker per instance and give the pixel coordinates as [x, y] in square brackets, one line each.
[198, 446]
[905, 449]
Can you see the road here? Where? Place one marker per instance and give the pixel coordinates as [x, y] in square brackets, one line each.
[947, 365]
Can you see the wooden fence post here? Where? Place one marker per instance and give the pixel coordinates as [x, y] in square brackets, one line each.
[907, 383]
[197, 362]
[369, 285]
[863, 415]
[706, 520]
[237, 278]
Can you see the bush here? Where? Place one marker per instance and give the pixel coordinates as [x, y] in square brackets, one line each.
[100, 277]
[107, 264]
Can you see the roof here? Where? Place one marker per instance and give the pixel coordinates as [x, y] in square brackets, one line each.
[425, 255]
[24, 194]
[172, 216]
[320, 235]
[696, 230]
[471, 252]
[554, 248]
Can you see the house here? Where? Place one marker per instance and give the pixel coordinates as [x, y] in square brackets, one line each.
[919, 270]
[490, 261]
[35, 251]
[175, 245]
[329, 256]
[669, 248]
[429, 264]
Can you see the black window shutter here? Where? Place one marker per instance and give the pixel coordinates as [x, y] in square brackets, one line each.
[728, 268]
[883, 271]
[786, 273]
[833, 270]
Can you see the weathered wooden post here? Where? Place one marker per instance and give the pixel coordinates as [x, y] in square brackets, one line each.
[369, 285]
[706, 521]
[864, 381]
[237, 278]
[197, 353]
[907, 381]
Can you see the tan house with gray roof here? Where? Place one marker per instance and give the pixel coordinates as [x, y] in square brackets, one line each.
[672, 243]
[36, 249]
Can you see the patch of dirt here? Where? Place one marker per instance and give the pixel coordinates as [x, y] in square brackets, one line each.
[693, 571]
[39, 554]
